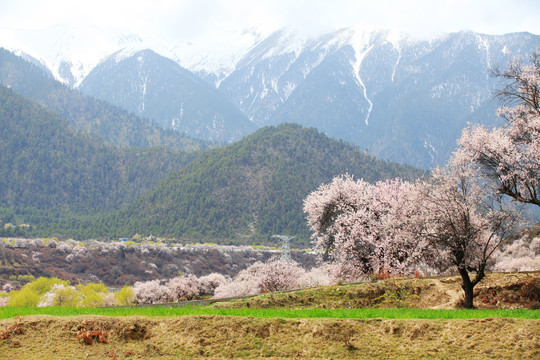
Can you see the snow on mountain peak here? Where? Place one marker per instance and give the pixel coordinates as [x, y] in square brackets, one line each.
[69, 50]
[218, 56]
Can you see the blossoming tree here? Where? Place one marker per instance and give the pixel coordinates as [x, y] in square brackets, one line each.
[509, 156]
[462, 223]
[448, 220]
[358, 225]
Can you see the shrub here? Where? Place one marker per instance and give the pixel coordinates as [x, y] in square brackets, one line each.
[31, 293]
[183, 287]
[125, 297]
[151, 292]
[92, 295]
[23, 297]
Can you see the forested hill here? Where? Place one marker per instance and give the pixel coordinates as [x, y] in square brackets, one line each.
[46, 166]
[86, 114]
[249, 190]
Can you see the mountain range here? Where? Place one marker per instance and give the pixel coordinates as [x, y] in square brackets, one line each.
[398, 97]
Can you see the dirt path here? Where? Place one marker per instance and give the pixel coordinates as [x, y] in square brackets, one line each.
[454, 296]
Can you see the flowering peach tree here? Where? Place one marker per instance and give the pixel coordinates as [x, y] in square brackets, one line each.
[509, 156]
[359, 226]
[446, 221]
[462, 223]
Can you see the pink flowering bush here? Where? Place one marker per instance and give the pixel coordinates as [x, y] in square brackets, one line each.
[186, 287]
[245, 283]
[245, 287]
[109, 299]
[279, 276]
[151, 292]
[276, 275]
[209, 283]
[317, 276]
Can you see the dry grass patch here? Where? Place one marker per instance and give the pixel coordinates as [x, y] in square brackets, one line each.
[46, 337]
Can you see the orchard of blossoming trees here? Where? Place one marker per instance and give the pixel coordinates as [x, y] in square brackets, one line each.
[454, 219]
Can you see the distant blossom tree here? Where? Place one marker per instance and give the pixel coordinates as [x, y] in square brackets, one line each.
[521, 255]
[186, 287]
[279, 275]
[210, 282]
[151, 292]
[509, 156]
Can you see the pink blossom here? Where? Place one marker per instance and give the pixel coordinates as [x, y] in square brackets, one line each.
[183, 287]
[151, 292]
[509, 156]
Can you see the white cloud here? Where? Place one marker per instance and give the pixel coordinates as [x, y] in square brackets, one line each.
[206, 19]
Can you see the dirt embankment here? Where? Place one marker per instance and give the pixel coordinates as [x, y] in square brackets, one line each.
[44, 337]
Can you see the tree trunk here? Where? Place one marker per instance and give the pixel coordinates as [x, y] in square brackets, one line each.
[468, 288]
[469, 295]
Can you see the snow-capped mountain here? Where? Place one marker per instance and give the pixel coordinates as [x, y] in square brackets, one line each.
[155, 87]
[212, 61]
[400, 98]
[69, 50]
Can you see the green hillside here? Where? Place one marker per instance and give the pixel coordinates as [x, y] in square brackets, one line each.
[249, 190]
[47, 170]
[67, 183]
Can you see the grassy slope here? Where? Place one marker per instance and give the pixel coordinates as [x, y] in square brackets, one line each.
[447, 334]
[496, 291]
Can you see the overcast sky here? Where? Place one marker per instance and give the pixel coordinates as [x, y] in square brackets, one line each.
[204, 19]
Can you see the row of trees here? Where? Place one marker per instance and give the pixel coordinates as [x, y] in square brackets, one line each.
[458, 217]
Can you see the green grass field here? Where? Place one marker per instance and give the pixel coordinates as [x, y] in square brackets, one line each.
[366, 313]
